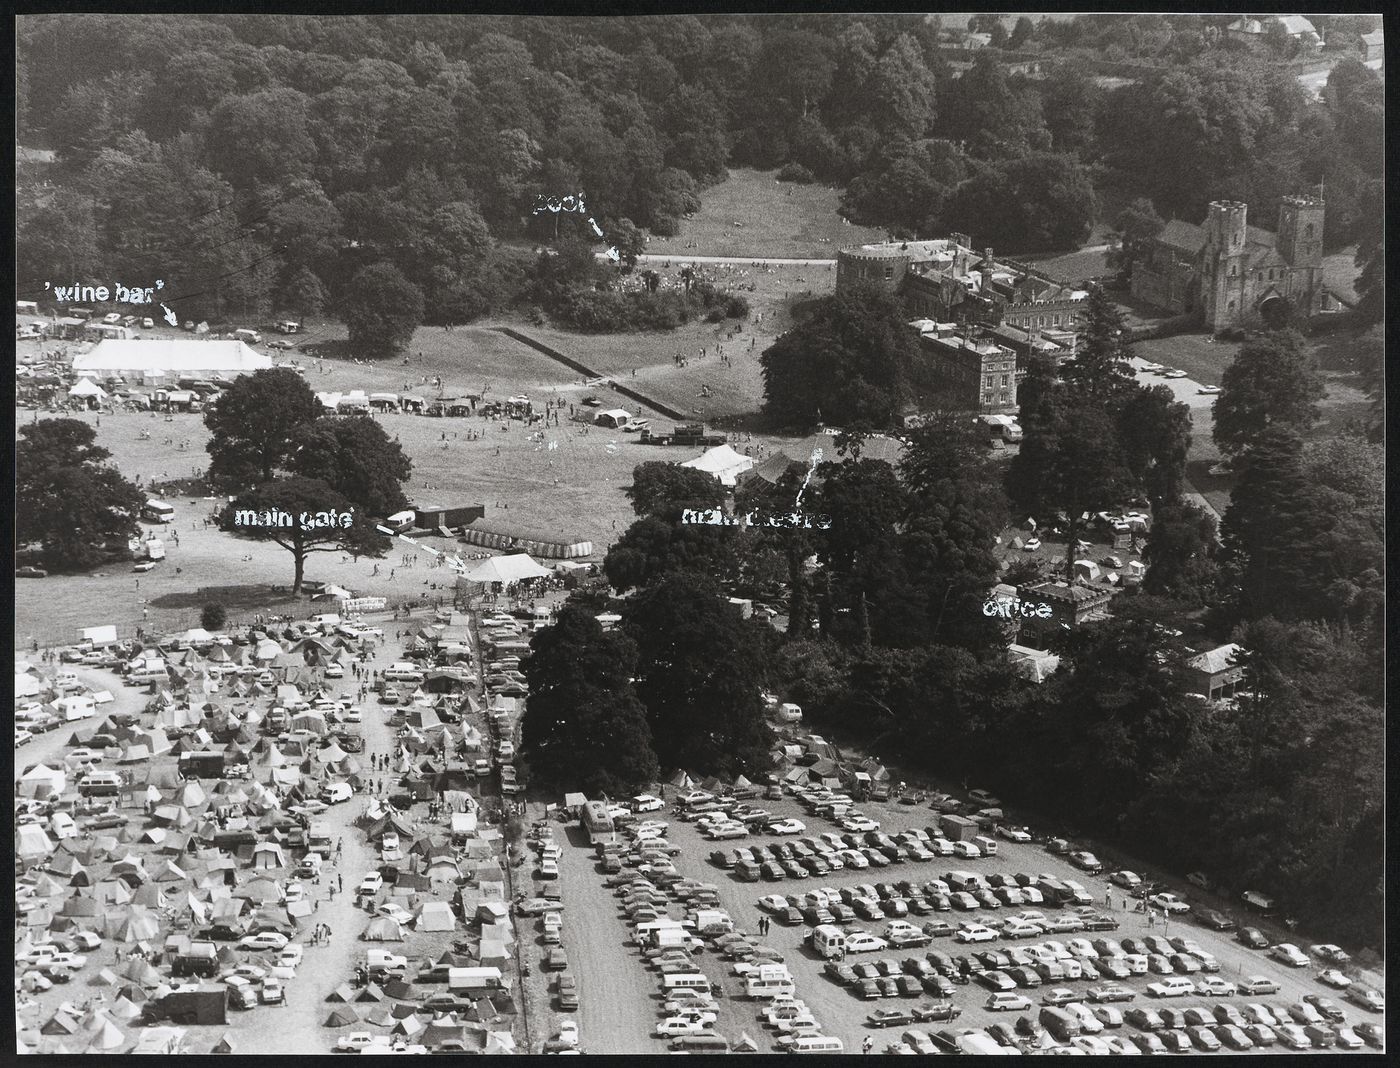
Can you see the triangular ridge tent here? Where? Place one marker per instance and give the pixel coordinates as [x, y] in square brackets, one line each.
[508, 569]
[435, 916]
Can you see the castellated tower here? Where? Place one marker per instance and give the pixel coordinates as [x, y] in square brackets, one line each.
[1223, 258]
[1300, 231]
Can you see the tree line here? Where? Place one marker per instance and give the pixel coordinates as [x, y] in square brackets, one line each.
[261, 164]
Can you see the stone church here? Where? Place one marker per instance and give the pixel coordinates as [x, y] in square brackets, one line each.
[1231, 274]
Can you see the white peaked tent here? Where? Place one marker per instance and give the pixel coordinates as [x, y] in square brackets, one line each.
[42, 781]
[508, 569]
[86, 387]
[26, 685]
[435, 916]
[32, 842]
[722, 462]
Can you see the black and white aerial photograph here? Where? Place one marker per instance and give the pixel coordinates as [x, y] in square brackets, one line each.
[690, 531]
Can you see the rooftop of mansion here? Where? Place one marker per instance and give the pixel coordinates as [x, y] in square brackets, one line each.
[954, 257]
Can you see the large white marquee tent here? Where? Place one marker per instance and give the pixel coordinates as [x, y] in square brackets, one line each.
[170, 358]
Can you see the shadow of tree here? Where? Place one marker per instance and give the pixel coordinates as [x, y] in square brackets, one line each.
[234, 598]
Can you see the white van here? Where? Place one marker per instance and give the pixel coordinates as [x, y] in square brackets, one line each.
[101, 784]
[816, 1044]
[829, 941]
[767, 989]
[403, 671]
[250, 337]
[686, 981]
[325, 619]
[335, 792]
[987, 845]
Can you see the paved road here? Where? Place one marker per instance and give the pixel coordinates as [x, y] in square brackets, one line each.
[1188, 392]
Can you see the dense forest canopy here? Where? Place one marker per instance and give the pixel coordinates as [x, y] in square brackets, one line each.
[258, 163]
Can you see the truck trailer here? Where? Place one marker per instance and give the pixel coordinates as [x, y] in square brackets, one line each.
[959, 828]
[203, 1004]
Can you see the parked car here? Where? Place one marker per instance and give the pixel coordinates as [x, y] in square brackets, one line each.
[1289, 954]
[1008, 1002]
[1331, 954]
[1367, 998]
[1168, 902]
[1330, 1010]
[1257, 985]
[1252, 937]
[1215, 920]
[1333, 978]
[1372, 1034]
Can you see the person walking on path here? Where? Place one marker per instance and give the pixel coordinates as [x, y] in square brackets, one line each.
[867, 1045]
[340, 880]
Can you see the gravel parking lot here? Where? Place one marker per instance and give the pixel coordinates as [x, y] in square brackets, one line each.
[599, 940]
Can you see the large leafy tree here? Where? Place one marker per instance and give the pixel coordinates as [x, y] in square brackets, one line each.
[1154, 430]
[653, 547]
[699, 671]
[1293, 549]
[1180, 553]
[956, 508]
[382, 308]
[303, 499]
[1037, 201]
[356, 458]
[584, 727]
[662, 489]
[1100, 368]
[998, 117]
[848, 362]
[1086, 472]
[1271, 383]
[68, 500]
[1134, 227]
[1070, 101]
[1120, 709]
[255, 425]
[909, 189]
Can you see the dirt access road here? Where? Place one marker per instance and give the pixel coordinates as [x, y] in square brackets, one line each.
[617, 994]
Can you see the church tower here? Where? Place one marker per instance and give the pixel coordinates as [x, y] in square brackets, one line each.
[1300, 231]
[1223, 260]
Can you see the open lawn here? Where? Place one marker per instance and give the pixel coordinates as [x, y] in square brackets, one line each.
[574, 489]
[1201, 357]
[736, 388]
[776, 219]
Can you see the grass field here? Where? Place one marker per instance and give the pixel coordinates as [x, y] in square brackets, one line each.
[777, 219]
[1203, 359]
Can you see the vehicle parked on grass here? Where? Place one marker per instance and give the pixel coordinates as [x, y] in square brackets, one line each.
[1366, 997]
[1289, 954]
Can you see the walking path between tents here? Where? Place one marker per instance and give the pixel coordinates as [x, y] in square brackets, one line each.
[326, 967]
